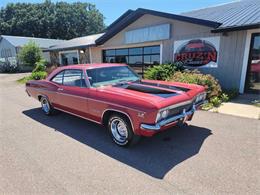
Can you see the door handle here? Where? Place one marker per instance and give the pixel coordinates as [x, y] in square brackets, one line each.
[60, 89]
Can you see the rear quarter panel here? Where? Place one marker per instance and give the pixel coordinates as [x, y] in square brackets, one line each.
[42, 88]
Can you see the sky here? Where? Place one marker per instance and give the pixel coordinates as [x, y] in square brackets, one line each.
[112, 9]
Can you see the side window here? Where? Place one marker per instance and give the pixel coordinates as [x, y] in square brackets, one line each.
[74, 78]
[58, 78]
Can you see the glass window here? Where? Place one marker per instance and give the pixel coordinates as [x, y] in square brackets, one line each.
[155, 59]
[152, 50]
[73, 78]
[110, 60]
[69, 58]
[149, 55]
[253, 73]
[120, 52]
[58, 78]
[110, 75]
[110, 52]
[135, 59]
[147, 59]
[122, 59]
[136, 51]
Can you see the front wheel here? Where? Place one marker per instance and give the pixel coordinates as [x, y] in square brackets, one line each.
[121, 131]
[46, 106]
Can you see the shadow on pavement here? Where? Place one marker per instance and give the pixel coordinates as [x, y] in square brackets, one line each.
[154, 156]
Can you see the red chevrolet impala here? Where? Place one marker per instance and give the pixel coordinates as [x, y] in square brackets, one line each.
[113, 95]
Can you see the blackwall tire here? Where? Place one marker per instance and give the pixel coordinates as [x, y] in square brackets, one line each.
[121, 131]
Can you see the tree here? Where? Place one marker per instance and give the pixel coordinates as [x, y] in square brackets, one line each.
[29, 54]
[59, 20]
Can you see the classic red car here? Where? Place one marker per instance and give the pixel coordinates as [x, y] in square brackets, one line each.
[113, 95]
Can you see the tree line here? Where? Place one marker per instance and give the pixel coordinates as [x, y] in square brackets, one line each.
[59, 20]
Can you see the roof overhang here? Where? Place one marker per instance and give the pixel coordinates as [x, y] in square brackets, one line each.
[131, 16]
[69, 48]
[236, 28]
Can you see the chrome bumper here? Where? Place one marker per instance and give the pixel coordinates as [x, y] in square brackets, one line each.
[168, 121]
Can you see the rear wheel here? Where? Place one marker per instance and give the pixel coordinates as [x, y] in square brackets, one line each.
[121, 131]
[46, 106]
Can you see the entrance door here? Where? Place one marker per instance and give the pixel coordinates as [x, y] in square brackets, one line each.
[253, 70]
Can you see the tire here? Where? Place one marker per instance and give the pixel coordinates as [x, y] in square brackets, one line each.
[46, 106]
[121, 131]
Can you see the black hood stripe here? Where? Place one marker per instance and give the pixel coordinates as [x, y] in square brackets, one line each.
[149, 90]
[177, 88]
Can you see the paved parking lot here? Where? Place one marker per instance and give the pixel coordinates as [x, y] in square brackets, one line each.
[63, 154]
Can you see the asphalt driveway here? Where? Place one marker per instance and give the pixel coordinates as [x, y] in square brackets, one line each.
[63, 154]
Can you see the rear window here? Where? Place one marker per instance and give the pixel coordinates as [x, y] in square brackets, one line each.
[58, 78]
[72, 77]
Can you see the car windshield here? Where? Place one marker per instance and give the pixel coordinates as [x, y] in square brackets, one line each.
[111, 75]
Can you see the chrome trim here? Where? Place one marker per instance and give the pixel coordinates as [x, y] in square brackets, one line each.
[164, 122]
[111, 109]
[87, 98]
[78, 115]
[177, 105]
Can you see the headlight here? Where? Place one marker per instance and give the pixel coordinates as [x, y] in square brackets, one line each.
[200, 97]
[165, 113]
[162, 115]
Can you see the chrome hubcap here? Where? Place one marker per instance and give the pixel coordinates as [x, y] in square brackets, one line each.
[45, 105]
[119, 131]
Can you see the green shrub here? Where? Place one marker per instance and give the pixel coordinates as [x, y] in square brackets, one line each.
[211, 84]
[40, 66]
[216, 101]
[30, 54]
[224, 97]
[207, 106]
[162, 72]
[39, 75]
[232, 93]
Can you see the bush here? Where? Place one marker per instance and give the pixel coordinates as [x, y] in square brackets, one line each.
[40, 66]
[162, 72]
[30, 54]
[216, 101]
[232, 93]
[224, 97]
[8, 68]
[38, 75]
[195, 77]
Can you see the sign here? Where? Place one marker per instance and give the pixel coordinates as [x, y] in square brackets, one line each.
[202, 52]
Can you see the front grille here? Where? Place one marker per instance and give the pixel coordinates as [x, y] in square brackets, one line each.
[179, 110]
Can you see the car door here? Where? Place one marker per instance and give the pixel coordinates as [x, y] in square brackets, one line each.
[72, 94]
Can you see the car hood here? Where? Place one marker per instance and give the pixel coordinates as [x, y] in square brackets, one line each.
[158, 93]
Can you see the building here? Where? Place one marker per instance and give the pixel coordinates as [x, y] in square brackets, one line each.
[223, 40]
[74, 51]
[10, 46]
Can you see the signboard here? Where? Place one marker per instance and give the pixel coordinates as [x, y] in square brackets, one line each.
[202, 52]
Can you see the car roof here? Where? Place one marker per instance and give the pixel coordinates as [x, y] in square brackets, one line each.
[83, 66]
[91, 66]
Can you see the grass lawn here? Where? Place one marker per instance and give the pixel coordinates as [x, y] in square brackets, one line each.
[24, 79]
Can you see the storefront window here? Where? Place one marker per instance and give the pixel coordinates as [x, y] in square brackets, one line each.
[133, 56]
[253, 73]
[121, 52]
[69, 57]
[136, 51]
